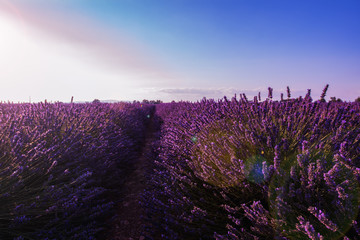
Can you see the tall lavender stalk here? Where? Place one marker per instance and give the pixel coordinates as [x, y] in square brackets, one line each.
[323, 94]
[288, 92]
[270, 95]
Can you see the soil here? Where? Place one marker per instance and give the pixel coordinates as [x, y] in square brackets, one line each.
[129, 223]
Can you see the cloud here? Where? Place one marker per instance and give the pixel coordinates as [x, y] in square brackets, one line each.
[194, 94]
[195, 91]
[103, 46]
[208, 91]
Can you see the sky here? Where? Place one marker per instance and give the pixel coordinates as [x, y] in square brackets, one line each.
[177, 49]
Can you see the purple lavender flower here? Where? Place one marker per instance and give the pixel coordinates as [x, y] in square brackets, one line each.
[320, 215]
[270, 95]
[288, 92]
[305, 227]
[323, 94]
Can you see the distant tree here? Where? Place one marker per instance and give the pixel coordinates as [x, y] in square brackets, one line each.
[153, 101]
[96, 101]
[357, 100]
[334, 99]
[145, 101]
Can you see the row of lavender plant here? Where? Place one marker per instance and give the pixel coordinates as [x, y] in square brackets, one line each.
[239, 169]
[62, 165]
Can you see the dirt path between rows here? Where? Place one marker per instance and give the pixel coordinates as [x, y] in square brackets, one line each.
[129, 222]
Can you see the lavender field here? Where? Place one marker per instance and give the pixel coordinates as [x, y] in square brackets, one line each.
[154, 120]
[240, 169]
[227, 169]
[62, 166]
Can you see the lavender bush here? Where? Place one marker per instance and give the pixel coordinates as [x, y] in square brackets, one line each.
[240, 169]
[62, 166]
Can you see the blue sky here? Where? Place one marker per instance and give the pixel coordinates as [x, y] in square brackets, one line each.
[179, 49]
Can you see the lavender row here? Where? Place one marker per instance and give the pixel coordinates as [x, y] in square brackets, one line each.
[240, 169]
[62, 165]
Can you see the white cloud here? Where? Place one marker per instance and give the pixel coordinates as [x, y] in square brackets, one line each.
[195, 94]
[47, 57]
[33, 66]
